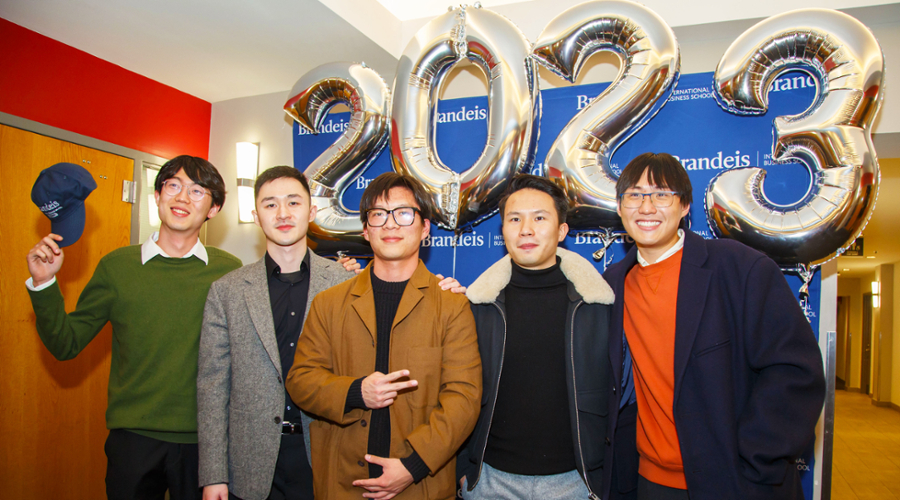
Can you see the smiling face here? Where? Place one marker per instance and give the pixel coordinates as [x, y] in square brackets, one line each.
[392, 242]
[654, 229]
[283, 211]
[531, 229]
[179, 213]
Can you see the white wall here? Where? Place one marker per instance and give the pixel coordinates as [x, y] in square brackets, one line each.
[259, 119]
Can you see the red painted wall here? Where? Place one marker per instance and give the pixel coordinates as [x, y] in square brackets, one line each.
[52, 83]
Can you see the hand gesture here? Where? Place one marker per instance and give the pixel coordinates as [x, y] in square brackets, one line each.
[350, 264]
[215, 492]
[392, 482]
[379, 390]
[450, 284]
[45, 259]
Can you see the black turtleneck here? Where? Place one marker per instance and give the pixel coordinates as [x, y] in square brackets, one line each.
[531, 433]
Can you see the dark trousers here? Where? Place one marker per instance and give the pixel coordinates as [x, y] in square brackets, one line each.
[648, 490]
[140, 467]
[293, 475]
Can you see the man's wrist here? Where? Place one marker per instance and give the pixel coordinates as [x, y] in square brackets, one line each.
[354, 397]
[29, 283]
[415, 466]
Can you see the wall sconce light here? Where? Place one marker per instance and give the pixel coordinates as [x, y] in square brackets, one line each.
[247, 168]
[875, 291]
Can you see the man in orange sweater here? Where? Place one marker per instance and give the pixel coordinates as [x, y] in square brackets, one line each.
[718, 376]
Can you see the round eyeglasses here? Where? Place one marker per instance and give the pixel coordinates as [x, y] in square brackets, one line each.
[660, 199]
[403, 216]
[195, 192]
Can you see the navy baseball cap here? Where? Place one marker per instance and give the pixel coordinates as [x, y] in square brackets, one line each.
[59, 192]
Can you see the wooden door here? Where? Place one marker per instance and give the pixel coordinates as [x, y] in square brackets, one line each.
[843, 344]
[865, 366]
[52, 413]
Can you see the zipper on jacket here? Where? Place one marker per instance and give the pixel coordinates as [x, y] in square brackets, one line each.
[494, 402]
[592, 495]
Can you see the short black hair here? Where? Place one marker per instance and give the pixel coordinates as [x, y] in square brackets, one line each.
[542, 184]
[663, 170]
[279, 172]
[381, 186]
[202, 172]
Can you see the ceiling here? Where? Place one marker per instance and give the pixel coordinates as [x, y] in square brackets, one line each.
[224, 49]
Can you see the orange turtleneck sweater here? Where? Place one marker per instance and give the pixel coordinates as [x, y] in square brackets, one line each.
[651, 296]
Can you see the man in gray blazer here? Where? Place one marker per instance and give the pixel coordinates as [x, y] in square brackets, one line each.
[254, 442]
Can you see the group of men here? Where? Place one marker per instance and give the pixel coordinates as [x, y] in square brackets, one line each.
[686, 371]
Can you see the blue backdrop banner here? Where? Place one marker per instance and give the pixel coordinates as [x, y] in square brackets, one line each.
[691, 126]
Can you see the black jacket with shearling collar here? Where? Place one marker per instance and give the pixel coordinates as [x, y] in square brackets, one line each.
[587, 368]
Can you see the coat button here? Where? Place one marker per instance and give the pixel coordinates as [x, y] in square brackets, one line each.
[277, 420]
[614, 389]
[360, 463]
[363, 423]
[608, 442]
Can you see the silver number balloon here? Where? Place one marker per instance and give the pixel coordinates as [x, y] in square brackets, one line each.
[366, 94]
[499, 48]
[650, 63]
[832, 138]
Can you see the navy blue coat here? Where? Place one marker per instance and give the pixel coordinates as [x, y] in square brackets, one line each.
[749, 382]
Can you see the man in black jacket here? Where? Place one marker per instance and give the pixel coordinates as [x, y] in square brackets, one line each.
[542, 314]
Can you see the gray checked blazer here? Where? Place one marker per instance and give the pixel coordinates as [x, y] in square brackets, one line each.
[240, 387]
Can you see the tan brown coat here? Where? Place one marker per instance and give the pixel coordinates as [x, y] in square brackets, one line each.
[433, 336]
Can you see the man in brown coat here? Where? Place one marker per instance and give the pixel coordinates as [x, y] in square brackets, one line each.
[389, 363]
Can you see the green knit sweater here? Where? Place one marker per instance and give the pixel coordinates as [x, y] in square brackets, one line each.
[156, 311]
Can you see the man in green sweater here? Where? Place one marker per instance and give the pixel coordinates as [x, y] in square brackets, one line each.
[153, 295]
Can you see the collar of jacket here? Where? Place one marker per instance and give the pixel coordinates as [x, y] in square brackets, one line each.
[581, 273]
[420, 279]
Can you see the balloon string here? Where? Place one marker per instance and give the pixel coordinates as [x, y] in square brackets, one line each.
[455, 240]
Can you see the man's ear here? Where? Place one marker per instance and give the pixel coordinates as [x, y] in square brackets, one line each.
[563, 232]
[213, 210]
[426, 228]
[313, 210]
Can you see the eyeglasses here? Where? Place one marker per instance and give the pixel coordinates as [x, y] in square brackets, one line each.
[195, 192]
[403, 216]
[660, 199]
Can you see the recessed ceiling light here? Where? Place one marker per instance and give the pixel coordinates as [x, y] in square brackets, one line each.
[845, 269]
[870, 257]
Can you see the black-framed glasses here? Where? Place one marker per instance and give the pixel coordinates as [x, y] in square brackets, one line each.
[660, 199]
[195, 192]
[403, 216]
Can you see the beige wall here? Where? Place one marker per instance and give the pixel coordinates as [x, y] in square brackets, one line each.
[259, 119]
[883, 334]
[895, 374]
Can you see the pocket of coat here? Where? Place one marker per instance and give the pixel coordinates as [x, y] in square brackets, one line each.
[707, 350]
[424, 365]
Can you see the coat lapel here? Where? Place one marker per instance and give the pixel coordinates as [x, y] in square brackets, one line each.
[693, 286]
[617, 333]
[411, 295]
[256, 295]
[364, 304]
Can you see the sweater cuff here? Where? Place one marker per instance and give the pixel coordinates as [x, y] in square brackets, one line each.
[415, 466]
[354, 397]
[29, 283]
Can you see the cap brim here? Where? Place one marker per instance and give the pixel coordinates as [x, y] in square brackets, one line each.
[71, 227]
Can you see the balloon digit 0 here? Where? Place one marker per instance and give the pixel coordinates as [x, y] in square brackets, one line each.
[497, 46]
[365, 92]
[579, 157]
[832, 138]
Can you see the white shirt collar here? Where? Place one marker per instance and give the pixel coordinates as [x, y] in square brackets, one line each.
[668, 253]
[150, 249]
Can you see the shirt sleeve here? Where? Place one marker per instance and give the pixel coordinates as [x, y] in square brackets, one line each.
[67, 334]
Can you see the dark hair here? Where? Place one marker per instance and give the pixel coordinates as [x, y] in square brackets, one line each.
[663, 170]
[279, 172]
[198, 170]
[381, 186]
[542, 184]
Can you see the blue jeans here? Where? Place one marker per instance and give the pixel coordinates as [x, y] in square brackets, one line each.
[498, 485]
